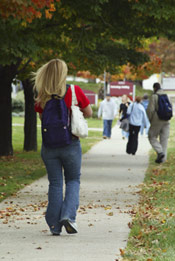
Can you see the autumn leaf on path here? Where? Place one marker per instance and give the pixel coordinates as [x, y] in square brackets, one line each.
[39, 248]
[110, 214]
[122, 252]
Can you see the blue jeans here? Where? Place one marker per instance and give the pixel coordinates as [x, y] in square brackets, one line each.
[125, 134]
[107, 125]
[61, 207]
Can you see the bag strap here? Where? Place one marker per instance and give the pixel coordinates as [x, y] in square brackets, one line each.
[132, 109]
[74, 98]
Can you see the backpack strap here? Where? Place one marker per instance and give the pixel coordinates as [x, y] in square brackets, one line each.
[55, 96]
[74, 98]
[157, 102]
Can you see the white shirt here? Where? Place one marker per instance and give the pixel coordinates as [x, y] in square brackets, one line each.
[107, 109]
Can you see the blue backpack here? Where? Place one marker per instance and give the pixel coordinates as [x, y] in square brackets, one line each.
[164, 111]
[56, 131]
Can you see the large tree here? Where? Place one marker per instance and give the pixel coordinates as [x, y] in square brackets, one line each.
[93, 35]
[165, 50]
[17, 47]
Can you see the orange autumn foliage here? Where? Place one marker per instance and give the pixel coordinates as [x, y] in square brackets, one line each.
[26, 10]
[86, 75]
[129, 72]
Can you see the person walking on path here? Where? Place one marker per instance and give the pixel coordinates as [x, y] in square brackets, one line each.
[123, 112]
[145, 102]
[108, 111]
[159, 128]
[137, 115]
[50, 80]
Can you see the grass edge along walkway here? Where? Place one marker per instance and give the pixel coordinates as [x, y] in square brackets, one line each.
[152, 235]
[23, 168]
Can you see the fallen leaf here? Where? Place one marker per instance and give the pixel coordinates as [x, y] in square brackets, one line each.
[122, 252]
[108, 207]
[130, 225]
[110, 214]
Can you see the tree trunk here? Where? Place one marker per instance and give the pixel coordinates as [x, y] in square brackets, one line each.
[7, 73]
[30, 124]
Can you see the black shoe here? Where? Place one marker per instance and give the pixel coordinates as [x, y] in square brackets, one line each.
[55, 233]
[160, 157]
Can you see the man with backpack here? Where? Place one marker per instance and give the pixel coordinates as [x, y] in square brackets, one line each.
[159, 112]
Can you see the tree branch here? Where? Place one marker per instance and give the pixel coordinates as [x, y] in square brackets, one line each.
[25, 65]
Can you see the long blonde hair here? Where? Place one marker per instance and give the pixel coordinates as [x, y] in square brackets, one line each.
[50, 79]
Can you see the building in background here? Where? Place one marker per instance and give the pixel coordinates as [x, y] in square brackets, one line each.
[117, 89]
[168, 85]
[92, 96]
[148, 83]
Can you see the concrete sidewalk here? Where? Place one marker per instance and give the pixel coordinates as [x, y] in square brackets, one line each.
[108, 192]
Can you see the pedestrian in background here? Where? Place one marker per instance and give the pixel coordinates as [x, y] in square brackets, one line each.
[159, 130]
[145, 102]
[50, 80]
[108, 111]
[123, 113]
[137, 115]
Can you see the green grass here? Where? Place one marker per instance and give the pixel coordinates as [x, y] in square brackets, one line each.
[140, 91]
[25, 167]
[87, 86]
[18, 120]
[152, 235]
[97, 123]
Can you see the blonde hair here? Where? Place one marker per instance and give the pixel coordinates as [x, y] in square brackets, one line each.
[124, 98]
[50, 79]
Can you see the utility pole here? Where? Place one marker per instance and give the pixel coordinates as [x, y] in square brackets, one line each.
[104, 84]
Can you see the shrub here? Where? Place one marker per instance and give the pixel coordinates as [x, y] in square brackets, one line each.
[17, 105]
[95, 111]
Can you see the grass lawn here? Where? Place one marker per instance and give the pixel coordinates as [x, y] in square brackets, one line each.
[140, 91]
[152, 235]
[92, 122]
[87, 86]
[25, 167]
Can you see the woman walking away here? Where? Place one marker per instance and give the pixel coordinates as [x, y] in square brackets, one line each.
[50, 85]
[123, 112]
[137, 116]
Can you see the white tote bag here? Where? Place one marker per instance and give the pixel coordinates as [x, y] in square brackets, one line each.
[79, 126]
